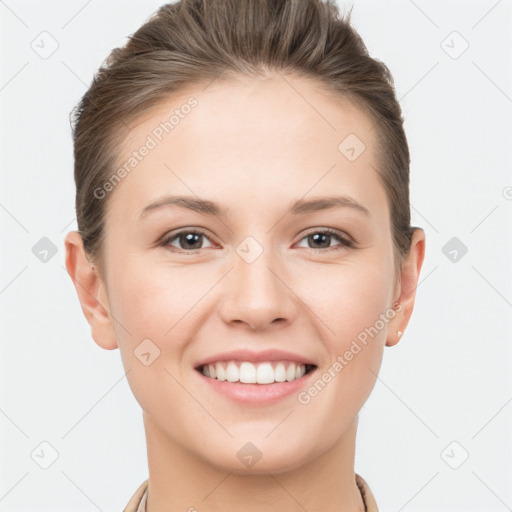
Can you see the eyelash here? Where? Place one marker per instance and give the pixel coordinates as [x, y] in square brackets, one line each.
[344, 242]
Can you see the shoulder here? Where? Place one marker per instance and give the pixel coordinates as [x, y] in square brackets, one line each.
[136, 499]
[366, 493]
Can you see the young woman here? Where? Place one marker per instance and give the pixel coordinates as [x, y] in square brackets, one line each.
[242, 200]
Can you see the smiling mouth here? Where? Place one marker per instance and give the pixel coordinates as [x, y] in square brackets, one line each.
[265, 372]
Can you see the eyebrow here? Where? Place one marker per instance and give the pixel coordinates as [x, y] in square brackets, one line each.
[297, 207]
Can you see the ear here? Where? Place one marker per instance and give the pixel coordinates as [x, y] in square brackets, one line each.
[411, 268]
[91, 292]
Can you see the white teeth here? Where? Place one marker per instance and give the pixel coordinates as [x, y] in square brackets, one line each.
[219, 370]
[252, 373]
[265, 374]
[248, 373]
[290, 373]
[232, 373]
[280, 372]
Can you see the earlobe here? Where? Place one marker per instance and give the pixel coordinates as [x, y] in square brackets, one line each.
[394, 332]
[411, 269]
[91, 292]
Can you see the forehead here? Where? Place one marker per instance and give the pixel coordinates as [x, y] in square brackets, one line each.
[252, 143]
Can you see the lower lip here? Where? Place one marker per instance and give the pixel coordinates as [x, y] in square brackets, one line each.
[257, 394]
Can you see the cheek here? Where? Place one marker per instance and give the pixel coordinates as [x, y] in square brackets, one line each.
[355, 341]
[154, 307]
[152, 300]
[349, 299]
[352, 302]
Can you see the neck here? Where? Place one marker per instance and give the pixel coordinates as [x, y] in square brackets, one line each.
[179, 480]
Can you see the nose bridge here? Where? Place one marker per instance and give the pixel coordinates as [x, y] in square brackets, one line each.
[257, 294]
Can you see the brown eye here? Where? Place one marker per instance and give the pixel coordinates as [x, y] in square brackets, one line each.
[187, 240]
[322, 239]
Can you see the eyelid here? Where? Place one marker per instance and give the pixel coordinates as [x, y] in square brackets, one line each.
[331, 231]
[164, 241]
[346, 241]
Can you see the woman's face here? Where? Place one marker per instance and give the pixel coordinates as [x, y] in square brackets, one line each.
[266, 166]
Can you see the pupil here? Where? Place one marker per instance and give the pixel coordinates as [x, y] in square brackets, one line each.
[194, 238]
[322, 237]
[189, 239]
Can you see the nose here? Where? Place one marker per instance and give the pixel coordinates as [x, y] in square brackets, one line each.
[257, 294]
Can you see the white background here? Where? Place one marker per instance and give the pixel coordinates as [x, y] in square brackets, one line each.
[449, 379]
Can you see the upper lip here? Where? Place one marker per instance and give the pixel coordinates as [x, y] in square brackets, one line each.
[251, 356]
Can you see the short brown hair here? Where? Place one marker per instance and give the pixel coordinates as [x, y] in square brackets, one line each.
[194, 41]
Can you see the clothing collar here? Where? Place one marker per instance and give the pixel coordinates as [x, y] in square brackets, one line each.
[138, 501]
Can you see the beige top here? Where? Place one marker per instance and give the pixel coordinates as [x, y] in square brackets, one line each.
[138, 500]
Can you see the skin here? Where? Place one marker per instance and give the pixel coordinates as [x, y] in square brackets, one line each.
[253, 146]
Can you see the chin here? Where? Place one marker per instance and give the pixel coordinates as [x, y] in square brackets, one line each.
[257, 458]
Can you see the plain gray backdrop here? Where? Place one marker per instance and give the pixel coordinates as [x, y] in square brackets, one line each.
[435, 435]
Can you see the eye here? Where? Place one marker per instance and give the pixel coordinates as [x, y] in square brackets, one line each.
[189, 240]
[324, 238]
